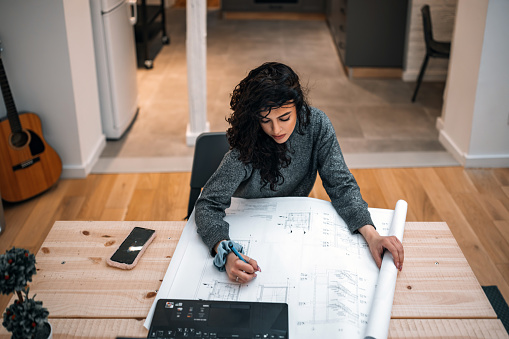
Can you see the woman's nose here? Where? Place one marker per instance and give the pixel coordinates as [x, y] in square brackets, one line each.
[275, 127]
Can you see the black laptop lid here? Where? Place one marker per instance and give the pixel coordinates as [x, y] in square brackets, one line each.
[179, 318]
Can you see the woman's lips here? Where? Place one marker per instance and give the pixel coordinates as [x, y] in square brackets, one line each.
[279, 137]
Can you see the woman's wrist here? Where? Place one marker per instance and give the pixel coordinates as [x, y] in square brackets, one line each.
[368, 232]
[217, 245]
[224, 249]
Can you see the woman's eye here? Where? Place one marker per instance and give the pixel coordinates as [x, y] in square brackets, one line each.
[286, 119]
[265, 121]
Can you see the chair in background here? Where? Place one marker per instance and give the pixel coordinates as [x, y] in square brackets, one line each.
[435, 49]
[209, 150]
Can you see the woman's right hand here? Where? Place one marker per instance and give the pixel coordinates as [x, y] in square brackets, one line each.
[239, 271]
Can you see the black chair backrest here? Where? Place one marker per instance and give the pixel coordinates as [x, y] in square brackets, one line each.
[426, 24]
[209, 150]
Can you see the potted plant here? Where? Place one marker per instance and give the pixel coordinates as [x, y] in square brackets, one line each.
[25, 318]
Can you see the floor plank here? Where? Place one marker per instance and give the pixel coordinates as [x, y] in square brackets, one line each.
[370, 189]
[487, 183]
[478, 257]
[483, 226]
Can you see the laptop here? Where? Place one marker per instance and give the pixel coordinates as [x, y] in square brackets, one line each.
[179, 318]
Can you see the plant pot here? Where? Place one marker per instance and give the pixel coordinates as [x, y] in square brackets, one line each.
[45, 333]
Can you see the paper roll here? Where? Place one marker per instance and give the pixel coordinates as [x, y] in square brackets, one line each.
[381, 307]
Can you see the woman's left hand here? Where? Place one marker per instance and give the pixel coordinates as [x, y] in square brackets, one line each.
[377, 245]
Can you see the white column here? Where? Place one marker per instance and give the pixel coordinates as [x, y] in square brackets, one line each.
[196, 47]
[475, 120]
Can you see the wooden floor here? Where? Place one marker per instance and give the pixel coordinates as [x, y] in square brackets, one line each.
[473, 202]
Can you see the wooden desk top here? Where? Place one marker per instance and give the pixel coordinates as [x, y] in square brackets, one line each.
[73, 281]
[399, 328]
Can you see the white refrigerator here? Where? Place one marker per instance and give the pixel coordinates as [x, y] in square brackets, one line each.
[113, 27]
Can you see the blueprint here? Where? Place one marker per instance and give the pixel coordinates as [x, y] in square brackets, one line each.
[309, 260]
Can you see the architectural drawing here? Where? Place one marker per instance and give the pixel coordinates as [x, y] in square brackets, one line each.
[299, 221]
[276, 293]
[309, 260]
[219, 290]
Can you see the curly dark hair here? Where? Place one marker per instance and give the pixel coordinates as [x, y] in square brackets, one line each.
[269, 86]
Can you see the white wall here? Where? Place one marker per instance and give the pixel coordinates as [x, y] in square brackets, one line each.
[475, 112]
[84, 84]
[48, 56]
[490, 128]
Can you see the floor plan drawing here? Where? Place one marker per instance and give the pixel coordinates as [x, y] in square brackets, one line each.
[309, 260]
[276, 293]
[219, 290]
[300, 221]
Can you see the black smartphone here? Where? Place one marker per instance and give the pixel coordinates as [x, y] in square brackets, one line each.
[132, 248]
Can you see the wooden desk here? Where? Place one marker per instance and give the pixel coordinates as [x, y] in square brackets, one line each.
[437, 294]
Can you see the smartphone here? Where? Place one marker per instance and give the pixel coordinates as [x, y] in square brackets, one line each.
[132, 248]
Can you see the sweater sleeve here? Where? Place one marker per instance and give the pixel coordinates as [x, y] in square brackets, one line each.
[338, 181]
[216, 198]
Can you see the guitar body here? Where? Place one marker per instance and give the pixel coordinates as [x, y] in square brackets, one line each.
[28, 165]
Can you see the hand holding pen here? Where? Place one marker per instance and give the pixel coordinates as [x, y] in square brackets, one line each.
[243, 269]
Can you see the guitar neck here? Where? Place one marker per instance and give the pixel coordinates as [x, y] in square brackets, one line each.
[12, 112]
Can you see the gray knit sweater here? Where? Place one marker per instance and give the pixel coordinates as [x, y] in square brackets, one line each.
[317, 150]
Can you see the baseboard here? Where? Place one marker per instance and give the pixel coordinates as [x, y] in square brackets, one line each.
[374, 72]
[211, 4]
[471, 161]
[82, 170]
[487, 161]
[229, 15]
[451, 147]
[74, 172]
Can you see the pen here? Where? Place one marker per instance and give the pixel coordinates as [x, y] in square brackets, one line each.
[237, 253]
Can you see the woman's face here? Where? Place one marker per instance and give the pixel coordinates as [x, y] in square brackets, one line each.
[280, 122]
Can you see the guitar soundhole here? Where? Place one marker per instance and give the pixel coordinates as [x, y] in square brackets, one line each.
[19, 139]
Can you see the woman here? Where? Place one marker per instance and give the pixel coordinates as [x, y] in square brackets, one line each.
[278, 144]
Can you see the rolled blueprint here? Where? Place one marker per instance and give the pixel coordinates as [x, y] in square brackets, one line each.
[380, 313]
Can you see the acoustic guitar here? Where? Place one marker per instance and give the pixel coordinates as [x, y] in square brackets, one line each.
[28, 165]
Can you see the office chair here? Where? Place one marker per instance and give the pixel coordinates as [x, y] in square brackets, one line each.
[435, 49]
[209, 150]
